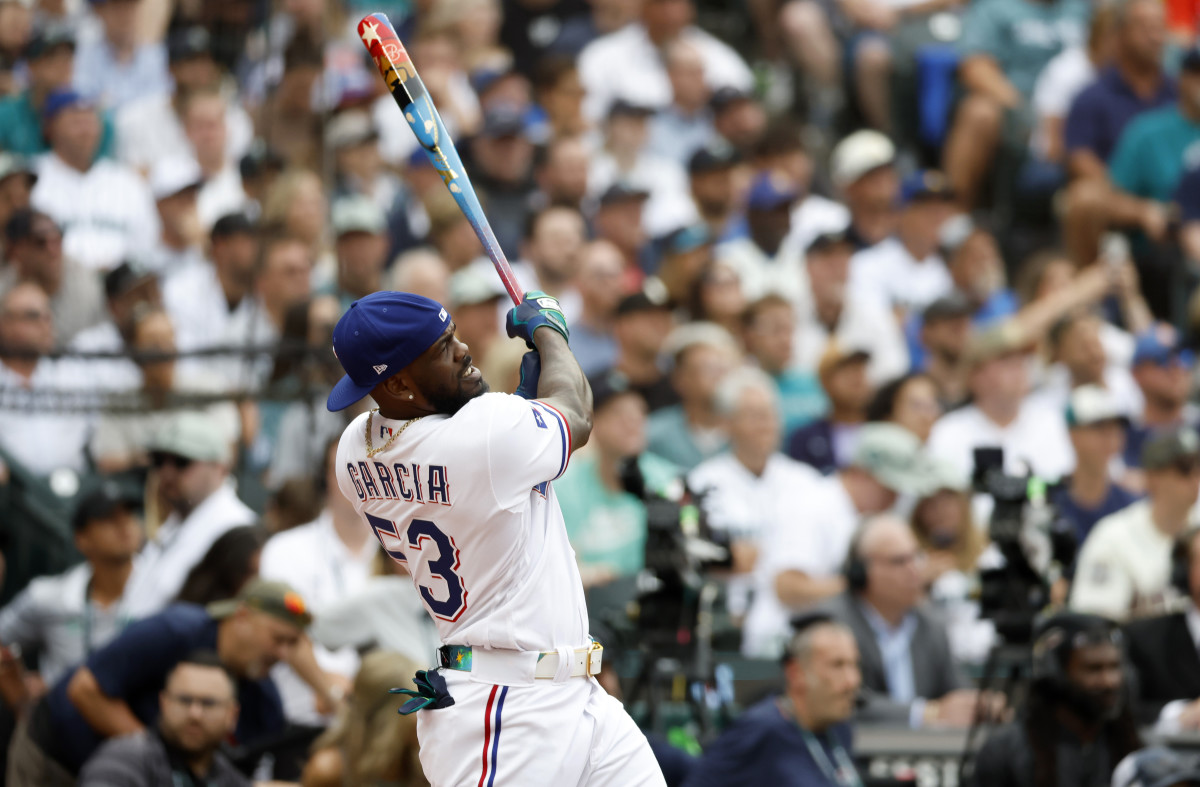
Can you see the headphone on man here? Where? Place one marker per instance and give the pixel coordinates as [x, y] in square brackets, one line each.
[854, 569]
[1056, 637]
[1181, 562]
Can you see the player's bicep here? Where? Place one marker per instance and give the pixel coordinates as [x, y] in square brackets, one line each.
[528, 444]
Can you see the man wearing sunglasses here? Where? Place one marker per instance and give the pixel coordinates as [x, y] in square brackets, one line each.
[1124, 566]
[191, 462]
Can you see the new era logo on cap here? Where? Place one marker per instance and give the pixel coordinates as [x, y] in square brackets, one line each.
[442, 315]
[380, 368]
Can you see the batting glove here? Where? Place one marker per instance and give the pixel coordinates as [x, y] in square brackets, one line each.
[531, 370]
[537, 309]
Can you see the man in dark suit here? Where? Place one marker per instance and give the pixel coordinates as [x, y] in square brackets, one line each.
[908, 674]
[1165, 651]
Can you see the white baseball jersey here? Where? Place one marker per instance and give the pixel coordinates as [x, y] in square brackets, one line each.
[465, 503]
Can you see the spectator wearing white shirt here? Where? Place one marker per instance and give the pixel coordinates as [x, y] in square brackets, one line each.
[626, 159]
[327, 561]
[1001, 415]
[106, 211]
[36, 392]
[906, 271]
[800, 562]
[149, 128]
[750, 489]
[191, 461]
[683, 126]
[203, 116]
[68, 616]
[1080, 358]
[176, 182]
[1124, 569]
[836, 311]
[129, 290]
[114, 66]
[33, 248]
[627, 64]
[767, 260]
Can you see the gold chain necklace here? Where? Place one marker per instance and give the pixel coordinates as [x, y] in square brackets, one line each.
[371, 452]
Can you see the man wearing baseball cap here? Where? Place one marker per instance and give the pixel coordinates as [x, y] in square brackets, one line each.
[115, 691]
[456, 484]
[1123, 571]
[1162, 369]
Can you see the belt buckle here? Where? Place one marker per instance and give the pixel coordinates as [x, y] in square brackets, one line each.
[596, 651]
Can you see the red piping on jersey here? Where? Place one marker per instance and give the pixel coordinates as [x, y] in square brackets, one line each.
[567, 427]
[487, 734]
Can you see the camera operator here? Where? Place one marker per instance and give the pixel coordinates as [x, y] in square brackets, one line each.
[1124, 566]
[1076, 725]
[801, 737]
[909, 675]
[1165, 651]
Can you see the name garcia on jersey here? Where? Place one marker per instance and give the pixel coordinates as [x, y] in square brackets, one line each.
[407, 482]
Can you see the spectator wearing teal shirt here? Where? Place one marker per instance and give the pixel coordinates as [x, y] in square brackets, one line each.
[1004, 47]
[1157, 147]
[607, 525]
[51, 58]
[769, 327]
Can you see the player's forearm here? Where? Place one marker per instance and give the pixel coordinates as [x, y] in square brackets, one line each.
[563, 384]
[107, 716]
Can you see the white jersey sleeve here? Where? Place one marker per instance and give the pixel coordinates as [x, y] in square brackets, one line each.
[528, 443]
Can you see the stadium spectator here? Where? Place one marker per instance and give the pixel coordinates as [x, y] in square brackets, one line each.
[360, 227]
[116, 690]
[1076, 724]
[828, 444]
[1123, 570]
[1163, 653]
[766, 260]
[1097, 426]
[945, 331]
[738, 118]
[562, 173]
[502, 155]
[641, 326]
[683, 126]
[712, 180]
[370, 743]
[1162, 369]
[116, 64]
[33, 251]
[618, 220]
[297, 206]
[747, 490]
[50, 59]
[800, 564]
[228, 566]
[905, 270]
[1001, 415]
[600, 294]
[150, 127]
[803, 736]
[477, 298]
[606, 523]
[198, 710]
[560, 94]
[768, 332]
[175, 183]
[627, 64]
[37, 388]
[972, 254]
[203, 299]
[692, 431]
[327, 561]
[203, 114]
[17, 177]
[1004, 48]
[129, 290]
[684, 271]
[64, 618]
[107, 210]
[550, 255]
[910, 401]
[837, 312]
[191, 461]
[908, 673]
[1080, 358]
[863, 169]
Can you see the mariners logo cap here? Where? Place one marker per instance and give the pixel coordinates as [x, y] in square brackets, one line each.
[378, 336]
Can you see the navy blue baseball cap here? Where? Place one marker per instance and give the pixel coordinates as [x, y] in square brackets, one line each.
[64, 98]
[378, 336]
[1159, 345]
[771, 190]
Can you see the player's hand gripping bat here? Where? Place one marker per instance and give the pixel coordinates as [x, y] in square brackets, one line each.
[406, 87]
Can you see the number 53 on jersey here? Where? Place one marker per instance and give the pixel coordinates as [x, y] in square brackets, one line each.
[440, 555]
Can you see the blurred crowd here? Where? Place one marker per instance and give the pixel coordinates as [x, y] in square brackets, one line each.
[816, 255]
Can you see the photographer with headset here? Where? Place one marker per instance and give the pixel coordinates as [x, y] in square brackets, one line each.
[1164, 650]
[908, 673]
[1077, 724]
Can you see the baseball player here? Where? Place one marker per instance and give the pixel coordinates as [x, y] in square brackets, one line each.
[455, 483]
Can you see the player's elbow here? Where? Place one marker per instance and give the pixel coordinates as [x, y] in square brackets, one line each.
[581, 429]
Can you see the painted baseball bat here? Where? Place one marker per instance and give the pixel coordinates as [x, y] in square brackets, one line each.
[399, 74]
